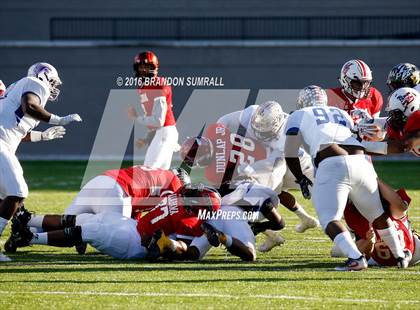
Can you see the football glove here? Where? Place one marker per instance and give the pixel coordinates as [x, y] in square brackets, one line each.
[65, 120]
[304, 184]
[56, 132]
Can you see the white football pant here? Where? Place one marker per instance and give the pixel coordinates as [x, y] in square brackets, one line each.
[340, 177]
[112, 234]
[160, 151]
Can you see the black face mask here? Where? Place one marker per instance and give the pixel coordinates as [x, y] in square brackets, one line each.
[396, 120]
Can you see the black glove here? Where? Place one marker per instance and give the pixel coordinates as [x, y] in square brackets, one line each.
[304, 184]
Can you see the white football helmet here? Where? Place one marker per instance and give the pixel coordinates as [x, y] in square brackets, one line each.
[355, 78]
[405, 99]
[48, 75]
[267, 121]
[401, 104]
[311, 95]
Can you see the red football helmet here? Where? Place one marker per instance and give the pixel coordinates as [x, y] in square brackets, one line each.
[197, 151]
[146, 64]
[196, 197]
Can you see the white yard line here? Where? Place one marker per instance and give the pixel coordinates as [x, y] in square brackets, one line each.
[209, 295]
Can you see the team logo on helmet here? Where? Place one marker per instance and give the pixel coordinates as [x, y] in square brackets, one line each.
[311, 95]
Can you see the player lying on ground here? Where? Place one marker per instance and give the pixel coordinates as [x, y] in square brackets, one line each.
[22, 107]
[118, 236]
[245, 203]
[369, 241]
[128, 190]
[343, 171]
[250, 143]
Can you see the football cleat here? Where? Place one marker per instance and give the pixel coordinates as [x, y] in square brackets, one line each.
[81, 248]
[307, 223]
[19, 239]
[403, 262]
[271, 242]
[213, 235]
[19, 223]
[353, 264]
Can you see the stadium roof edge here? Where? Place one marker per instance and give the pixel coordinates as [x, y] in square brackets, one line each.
[207, 43]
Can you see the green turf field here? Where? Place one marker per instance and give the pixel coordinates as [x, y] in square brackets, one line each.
[297, 275]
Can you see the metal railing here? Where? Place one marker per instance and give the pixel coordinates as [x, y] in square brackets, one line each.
[238, 28]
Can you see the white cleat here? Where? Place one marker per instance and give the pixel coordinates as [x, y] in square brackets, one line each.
[271, 242]
[4, 258]
[353, 264]
[307, 223]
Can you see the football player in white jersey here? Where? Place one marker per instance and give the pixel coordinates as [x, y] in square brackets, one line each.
[266, 124]
[343, 171]
[21, 110]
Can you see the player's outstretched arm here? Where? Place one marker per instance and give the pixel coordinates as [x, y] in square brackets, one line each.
[31, 105]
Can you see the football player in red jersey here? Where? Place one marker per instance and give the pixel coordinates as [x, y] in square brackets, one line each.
[356, 92]
[367, 239]
[158, 117]
[118, 236]
[2, 88]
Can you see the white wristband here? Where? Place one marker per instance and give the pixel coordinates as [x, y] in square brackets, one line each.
[54, 119]
[376, 147]
[36, 136]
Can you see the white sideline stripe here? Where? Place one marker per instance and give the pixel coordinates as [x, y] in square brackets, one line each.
[153, 294]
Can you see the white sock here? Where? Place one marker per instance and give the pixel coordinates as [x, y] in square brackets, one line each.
[41, 238]
[301, 213]
[173, 245]
[347, 245]
[390, 237]
[270, 234]
[36, 230]
[36, 221]
[3, 224]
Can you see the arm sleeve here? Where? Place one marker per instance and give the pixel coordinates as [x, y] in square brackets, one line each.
[294, 138]
[157, 119]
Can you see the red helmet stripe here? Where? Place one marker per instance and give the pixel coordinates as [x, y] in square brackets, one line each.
[362, 66]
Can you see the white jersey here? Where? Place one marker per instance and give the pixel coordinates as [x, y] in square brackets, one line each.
[14, 125]
[318, 127]
[417, 87]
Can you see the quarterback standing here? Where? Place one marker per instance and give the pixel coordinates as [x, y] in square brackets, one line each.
[158, 117]
[21, 110]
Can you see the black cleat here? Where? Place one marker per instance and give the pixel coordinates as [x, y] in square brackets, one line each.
[211, 233]
[18, 239]
[20, 219]
[81, 248]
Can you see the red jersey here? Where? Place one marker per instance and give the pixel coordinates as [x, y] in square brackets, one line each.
[141, 182]
[372, 104]
[158, 89]
[230, 151]
[412, 124]
[171, 217]
[381, 253]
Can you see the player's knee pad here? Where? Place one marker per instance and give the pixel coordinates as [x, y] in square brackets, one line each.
[73, 235]
[68, 220]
